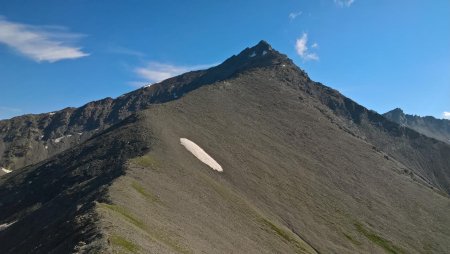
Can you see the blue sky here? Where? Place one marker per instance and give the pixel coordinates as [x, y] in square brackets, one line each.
[381, 53]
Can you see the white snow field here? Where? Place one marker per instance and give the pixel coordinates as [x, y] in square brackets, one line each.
[198, 152]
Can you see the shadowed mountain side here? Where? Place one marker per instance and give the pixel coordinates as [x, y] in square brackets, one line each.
[426, 158]
[51, 203]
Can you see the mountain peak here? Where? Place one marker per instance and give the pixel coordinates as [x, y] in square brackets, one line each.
[398, 111]
[263, 48]
[428, 125]
[264, 45]
[397, 115]
[260, 55]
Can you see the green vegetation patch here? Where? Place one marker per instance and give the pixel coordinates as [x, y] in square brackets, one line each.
[302, 247]
[126, 214]
[141, 190]
[152, 233]
[387, 245]
[351, 239]
[117, 240]
[146, 161]
[286, 235]
[277, 230]
[162, 237]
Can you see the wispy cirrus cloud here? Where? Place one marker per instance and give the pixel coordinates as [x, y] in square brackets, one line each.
[344, 3]
[115, 49]
[40, 43]
[301, 46]
[294, 15]
[446, 115]
[155, 72]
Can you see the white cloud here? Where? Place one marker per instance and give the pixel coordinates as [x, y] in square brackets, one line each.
[446, 115]
[344, 3]
[44, 43]
[314, 45]
[301, 46]
[294, 15]
[155, 72]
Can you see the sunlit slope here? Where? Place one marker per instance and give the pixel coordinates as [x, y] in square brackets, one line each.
[293, 181]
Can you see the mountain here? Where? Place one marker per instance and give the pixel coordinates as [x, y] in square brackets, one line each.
[305, 170]
[428, 125]
[29, 139]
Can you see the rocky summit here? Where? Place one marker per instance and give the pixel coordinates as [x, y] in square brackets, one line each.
[250, 156]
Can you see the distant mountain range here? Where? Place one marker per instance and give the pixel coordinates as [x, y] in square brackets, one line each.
[250, 156]
[427, 125]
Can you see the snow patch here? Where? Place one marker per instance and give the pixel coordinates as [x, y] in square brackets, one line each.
[264, 53]
[6, 225]
[253, 54]
[198, 152]
[57, 140]
[6, 170]
[51, 113]
[46, 147]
